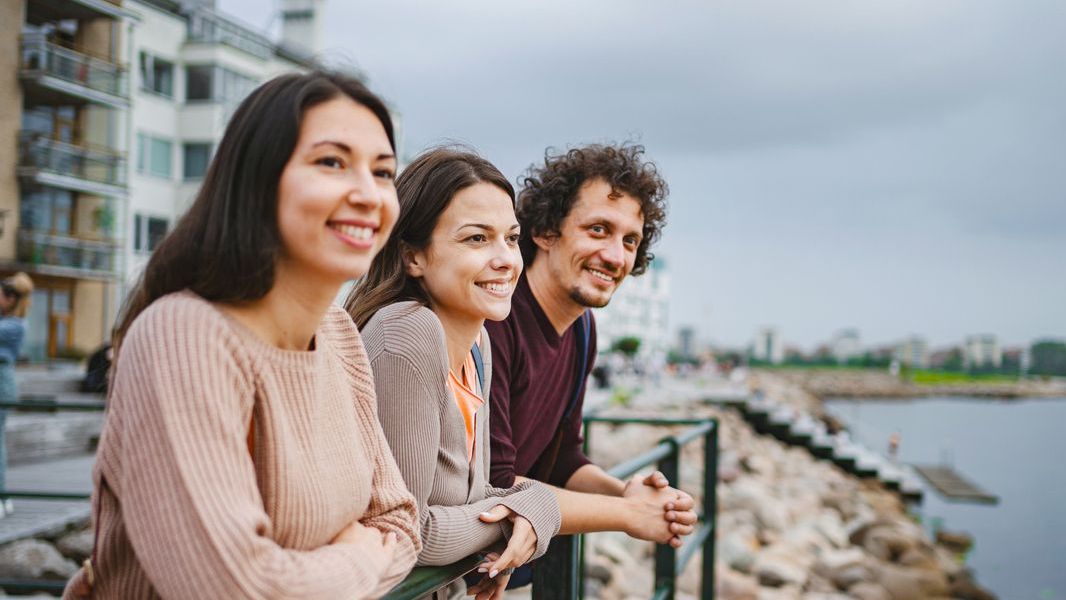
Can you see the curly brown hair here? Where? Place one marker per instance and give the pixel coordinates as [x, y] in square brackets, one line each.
[549, 191]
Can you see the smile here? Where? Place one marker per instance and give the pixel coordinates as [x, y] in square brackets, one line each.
[496, 288]
[357, 236]
[600, 275]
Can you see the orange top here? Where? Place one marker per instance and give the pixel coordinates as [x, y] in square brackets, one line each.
[467, 394]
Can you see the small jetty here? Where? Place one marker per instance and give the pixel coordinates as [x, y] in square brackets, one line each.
[954, 486]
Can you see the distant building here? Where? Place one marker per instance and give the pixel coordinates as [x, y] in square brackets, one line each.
[846, 345]
[982, 352]
[767, 346]
[686, 342]
[640, 309]
[914, 352]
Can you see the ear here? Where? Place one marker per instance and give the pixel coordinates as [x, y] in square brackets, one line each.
[414, 261]
[546, 240]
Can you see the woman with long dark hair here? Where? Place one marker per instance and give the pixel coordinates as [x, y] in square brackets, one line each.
[242, 456]
[451, 263]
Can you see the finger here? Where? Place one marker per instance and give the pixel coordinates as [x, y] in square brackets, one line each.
[487, 561]
[685, 502]
[501, 586]
[676, 542]
[657, 479]
[678, 529]
[517, 547]
[495, 514]
[686, 517]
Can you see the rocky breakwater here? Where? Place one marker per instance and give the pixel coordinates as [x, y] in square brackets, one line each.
[789, 527]
[55, 557]
[859, 383]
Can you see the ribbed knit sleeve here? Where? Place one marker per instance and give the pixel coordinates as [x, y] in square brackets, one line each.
[416, 410]
[185, 480]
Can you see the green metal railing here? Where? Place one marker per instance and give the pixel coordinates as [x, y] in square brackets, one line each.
[559, 575]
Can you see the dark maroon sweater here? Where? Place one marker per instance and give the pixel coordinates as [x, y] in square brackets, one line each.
[534, 371]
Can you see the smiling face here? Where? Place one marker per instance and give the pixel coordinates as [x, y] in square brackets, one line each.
[336, 199]
[472, 261]
[596, 245]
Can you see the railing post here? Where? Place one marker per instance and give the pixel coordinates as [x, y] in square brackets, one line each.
[555, 575]
[665, 554]
[710, 509]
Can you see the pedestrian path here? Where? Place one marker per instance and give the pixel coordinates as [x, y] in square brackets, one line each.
[45, 517]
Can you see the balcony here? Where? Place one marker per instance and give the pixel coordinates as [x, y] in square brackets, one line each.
[87, 170]
[52, 74]
[67, 256]
[207, 26]
[48, 11]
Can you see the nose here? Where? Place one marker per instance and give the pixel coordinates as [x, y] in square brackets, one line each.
[363, 190]
[505, 257]
[613, 253]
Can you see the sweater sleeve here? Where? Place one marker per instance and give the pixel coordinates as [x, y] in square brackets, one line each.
[188, 492]
[411, 415]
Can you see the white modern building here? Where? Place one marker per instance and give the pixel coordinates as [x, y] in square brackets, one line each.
[846, 345]
[982, 351]
[767, 346]
[190, 67]
[640, 309]
[914, 352]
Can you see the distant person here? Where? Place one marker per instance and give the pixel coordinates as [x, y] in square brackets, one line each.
[242, 455]
[588, 218]
[15, 294]
[450, 265]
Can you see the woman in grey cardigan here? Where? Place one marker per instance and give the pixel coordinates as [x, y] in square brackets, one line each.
[451, 263]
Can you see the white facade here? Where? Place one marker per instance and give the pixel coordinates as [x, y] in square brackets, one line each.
[914, 351]
[768, 346]
[982, 351]
[846, 345]
[189, 69]
[640, 308]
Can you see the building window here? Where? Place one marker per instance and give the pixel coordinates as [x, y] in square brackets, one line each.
[198, 80]
[154, 155]
[216, 84]
[148, 232]
[157, 75]
[197, 156]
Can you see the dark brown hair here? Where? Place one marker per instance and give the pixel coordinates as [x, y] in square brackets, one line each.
[425, 188]
[225, 247]
[549, 191]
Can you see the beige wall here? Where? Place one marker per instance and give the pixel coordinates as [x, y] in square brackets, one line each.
[11, 17]
[89, 325]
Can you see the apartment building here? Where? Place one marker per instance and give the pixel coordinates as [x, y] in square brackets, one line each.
[191, 66]
[640, 309]
[64, 183]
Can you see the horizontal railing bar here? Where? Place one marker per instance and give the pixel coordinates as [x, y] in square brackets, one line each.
[642, 420]
[44, 495]
[423, 580]
[52, 406]
[692, 544]
[32, 585]
[634, 465]
[690, 434]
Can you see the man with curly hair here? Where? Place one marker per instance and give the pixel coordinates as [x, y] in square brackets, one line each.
[588, 217]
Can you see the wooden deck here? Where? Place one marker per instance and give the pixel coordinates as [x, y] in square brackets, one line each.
[954, 486]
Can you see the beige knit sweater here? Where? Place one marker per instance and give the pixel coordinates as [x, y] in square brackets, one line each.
[406, 345]
[185, 511]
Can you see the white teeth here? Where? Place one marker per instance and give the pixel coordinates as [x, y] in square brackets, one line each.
[356, 232]
[499, 288]
[601, 276]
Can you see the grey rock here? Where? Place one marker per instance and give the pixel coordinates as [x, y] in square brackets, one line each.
[77, 546]
[34, 559]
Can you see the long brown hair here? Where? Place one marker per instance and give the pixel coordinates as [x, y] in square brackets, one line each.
[225, 247]
[425, 188]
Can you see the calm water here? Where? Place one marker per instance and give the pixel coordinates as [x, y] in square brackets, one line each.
[1015, 449]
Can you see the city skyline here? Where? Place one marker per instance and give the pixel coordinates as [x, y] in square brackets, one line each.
[830, 163]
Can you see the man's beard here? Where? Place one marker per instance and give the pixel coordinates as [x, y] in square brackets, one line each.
[587, 301]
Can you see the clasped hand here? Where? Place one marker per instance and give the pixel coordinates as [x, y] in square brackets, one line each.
[666, 513]
[498, 567]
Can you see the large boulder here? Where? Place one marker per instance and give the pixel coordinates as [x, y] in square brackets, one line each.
[34, 559]
[867, 590]
[77, 545]
[737, 550]
[843, 567]
[906, 583]
[887, 542]
[731, 585]
[777, 568]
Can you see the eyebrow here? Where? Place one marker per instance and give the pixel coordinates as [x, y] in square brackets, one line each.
[486, 227]
[348, 149]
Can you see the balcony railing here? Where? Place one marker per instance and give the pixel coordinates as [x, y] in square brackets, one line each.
[67, 256]
[75, 73]
[204, 25]
[97, 165]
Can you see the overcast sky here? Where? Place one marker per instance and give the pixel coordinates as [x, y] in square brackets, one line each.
[895, 166]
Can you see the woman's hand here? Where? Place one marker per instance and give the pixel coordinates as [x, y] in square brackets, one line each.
[520, 547]
[490, 588]
[356, 531]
